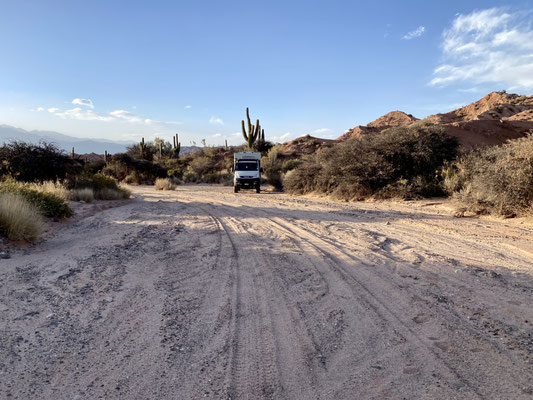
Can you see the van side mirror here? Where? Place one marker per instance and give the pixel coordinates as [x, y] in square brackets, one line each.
[261, 170]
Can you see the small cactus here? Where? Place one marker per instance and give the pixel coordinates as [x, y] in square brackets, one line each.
[73, 154]
[226, 144]
[105, 156]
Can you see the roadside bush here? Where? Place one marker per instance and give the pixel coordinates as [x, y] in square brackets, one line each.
[289, 165]
[123, 167]
[272, 166]
[164, 184]
[398, 162]
[101, 185]
[36, 163]
[49, 204]
[19, 219]
[496, 180]
[112, 194]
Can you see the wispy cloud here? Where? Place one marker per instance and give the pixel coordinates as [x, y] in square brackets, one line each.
[322, 130]
[81, 114]
[40, 108]
[414, 34]
[187, 107]
[130, 117]
[488, 46]
[216, 121]
[84, 114]
[83, 102]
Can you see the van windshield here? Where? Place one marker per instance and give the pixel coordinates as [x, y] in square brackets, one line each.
[246, 166]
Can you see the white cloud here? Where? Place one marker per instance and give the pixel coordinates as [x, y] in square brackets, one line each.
[126, 116]
[187, 107]
[414, 34]
[322, 130]
[216, 121]
[487, 46]
[83, 102]
[217, 135]
[53, 110]
[80, 114]
[40, 108]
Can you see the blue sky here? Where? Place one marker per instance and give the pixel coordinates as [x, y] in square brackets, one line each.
[125, 69]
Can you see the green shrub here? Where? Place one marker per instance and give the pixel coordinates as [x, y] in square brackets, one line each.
[19, 219]
[289, 165]
[496, 180]
[49, 204]
[398, 162]
[28, 162]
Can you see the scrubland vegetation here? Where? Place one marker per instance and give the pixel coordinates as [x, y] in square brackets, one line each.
[37, 181]
[496, 180]
[399, 162]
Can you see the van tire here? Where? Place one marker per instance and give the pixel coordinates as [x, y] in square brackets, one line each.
[258, 187]
[235, 189]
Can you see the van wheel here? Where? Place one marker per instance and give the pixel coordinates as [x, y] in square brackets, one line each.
[257, 188]
[235, 189]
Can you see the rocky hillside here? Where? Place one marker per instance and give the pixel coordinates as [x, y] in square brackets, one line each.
[491, 120]
[304, 145]
[394, 118]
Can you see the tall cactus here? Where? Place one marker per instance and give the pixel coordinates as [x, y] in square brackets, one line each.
[142, 147]
[176, 147]
[253, 131]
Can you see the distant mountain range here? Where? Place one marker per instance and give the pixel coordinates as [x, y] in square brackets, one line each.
[65, 142]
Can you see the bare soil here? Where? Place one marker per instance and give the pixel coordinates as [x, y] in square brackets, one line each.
[202, 293]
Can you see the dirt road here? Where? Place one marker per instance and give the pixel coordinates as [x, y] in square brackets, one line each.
[202, 293]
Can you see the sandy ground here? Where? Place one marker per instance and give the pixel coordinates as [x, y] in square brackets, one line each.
[202, 293]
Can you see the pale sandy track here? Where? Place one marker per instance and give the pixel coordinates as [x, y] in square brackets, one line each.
[202, 293]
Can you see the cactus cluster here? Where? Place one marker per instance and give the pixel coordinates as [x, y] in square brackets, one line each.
[254, 132]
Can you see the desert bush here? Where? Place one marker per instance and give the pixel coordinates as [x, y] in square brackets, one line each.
[36, 163]
[49, 204]
[272, 165]
[164, 184]
[19, 219]
[289, 165]
[122, 166]
[189, 176]
[86, 195]
[398, 162]
[496, 180]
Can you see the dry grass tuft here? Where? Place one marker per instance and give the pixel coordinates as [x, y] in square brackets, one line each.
[19, 219]
[164, 184]
[54, 188]
[85, 194]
